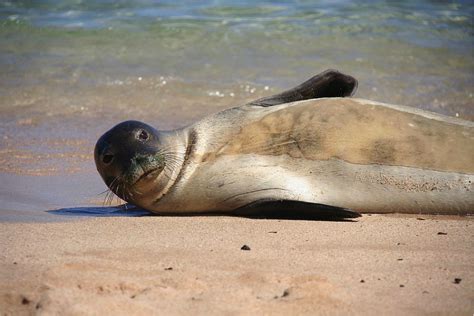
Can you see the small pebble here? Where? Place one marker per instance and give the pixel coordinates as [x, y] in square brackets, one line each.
[442, 233]
[245, 247]
[457, 280]
[169, 268]
[362, 281]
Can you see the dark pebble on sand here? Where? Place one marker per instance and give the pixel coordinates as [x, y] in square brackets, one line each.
[400, 259]
[25, 301]
[169, 268]
[457, 280]
[420, 218]
[245, 247]
[362, 281]
[401, 285]
[285, 294]
[272, 232]
[442, 233]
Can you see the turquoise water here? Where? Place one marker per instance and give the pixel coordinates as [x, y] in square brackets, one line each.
[72, 69]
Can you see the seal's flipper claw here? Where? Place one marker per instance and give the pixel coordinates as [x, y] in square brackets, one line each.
[328, 84]
[294, 209]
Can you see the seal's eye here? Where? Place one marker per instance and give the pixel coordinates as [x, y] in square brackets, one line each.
[107, 158]
[142, 135]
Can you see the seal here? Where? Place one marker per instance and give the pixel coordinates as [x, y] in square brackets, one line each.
[310, 149]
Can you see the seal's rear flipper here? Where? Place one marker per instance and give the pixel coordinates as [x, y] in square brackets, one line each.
[294, 209]
[328, 84]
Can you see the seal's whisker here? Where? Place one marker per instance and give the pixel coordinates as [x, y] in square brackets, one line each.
[113, 190]
[104, 192]
[167, 175]
[126, 193]
[122, 193]
[173, 162]
[109, 192]
[173, 165]
[172, 158]
[107, 198]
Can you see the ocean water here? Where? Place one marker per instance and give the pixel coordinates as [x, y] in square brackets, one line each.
[72, 69]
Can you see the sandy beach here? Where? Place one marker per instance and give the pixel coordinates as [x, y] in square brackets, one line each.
[391, 265]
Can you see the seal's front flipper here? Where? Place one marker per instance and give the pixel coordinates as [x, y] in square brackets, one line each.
[328, 84]
[294, 210]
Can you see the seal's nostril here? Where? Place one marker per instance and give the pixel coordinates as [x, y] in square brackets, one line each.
[107, 158]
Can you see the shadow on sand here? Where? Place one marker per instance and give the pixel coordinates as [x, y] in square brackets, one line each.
[104, 211]
[128, 210]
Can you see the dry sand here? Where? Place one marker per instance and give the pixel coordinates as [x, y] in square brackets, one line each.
[379, 264]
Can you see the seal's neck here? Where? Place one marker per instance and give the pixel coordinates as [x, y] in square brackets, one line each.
[175, 148]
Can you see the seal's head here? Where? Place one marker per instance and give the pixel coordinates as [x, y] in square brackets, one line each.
[130, 158]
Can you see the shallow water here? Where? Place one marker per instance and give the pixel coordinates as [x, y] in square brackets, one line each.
[72, 69]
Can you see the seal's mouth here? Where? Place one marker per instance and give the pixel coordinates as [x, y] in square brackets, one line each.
[148, 174]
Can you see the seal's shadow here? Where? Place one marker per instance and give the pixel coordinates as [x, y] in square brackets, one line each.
[128, 210]
[104, 211]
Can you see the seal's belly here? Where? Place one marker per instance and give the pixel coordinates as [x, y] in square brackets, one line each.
[235, 181]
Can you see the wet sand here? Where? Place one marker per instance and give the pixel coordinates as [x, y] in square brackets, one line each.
[391, 265]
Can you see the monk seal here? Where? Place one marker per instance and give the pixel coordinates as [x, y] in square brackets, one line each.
[311, 148]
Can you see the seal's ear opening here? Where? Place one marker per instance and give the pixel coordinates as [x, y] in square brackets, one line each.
[328, 84]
